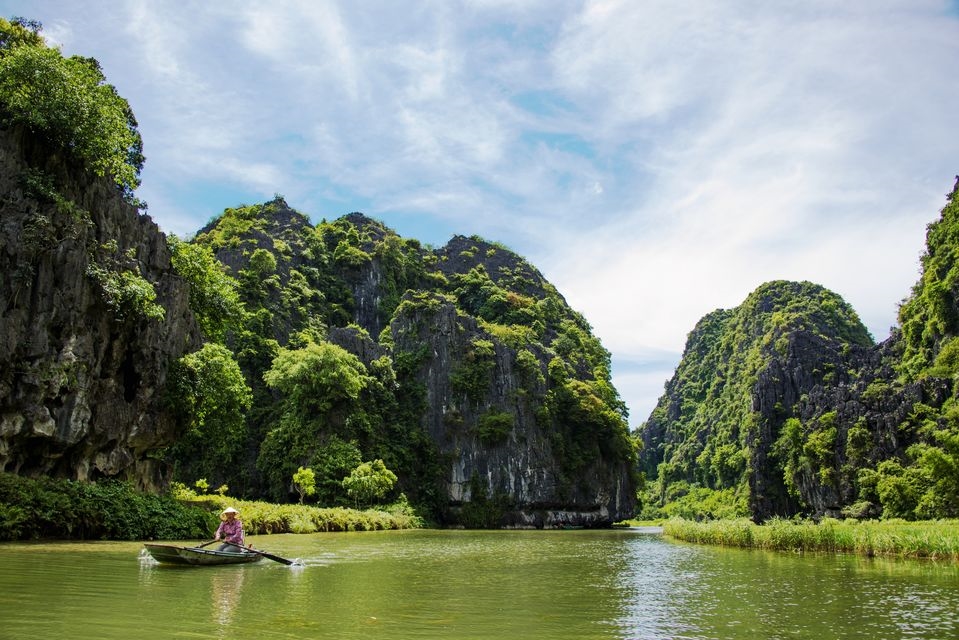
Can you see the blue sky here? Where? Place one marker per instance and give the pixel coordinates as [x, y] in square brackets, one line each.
[656, 160]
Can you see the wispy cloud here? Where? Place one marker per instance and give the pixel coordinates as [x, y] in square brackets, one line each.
[656, 160]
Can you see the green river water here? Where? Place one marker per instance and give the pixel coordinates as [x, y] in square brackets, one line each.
[628, 583]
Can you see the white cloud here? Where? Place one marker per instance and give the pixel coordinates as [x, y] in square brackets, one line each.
[308, 40]
[656, 160]
[800, 144]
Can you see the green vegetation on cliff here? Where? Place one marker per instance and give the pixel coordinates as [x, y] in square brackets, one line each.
[783, 406]
[929, 318]
[461, 370]
[707, 441]
[924, 483]
[321, 321]
[68, 101]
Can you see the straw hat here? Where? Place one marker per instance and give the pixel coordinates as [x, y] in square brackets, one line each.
[230, 510]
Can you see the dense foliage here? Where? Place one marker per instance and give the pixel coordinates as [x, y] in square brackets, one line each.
[68, 101]
[929, 318]
[924, 483]
[47, 508]
[329, 387]
[708, 448]
[209, 394]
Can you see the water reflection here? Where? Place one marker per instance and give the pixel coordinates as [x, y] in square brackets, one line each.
[225, 588]
[213, 591]
[607, 585]
[685, 591]
[656, 582]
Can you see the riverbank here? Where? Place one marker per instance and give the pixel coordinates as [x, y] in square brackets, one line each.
[937, 540]
[267, 518]
[44, 508]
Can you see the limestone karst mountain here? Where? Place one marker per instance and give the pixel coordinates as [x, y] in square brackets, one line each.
[784, 405]
[475, 382]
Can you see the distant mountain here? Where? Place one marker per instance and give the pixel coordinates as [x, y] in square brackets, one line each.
[784, 405]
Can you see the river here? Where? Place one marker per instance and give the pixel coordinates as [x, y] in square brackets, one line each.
[554, 585]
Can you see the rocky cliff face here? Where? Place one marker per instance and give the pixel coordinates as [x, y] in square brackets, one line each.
[504, 382]
[519, 465]
[473, 381]
[873, 414]
[784, 406]
[83, 356]
[781, 386]
[487, 394]
[743, 374]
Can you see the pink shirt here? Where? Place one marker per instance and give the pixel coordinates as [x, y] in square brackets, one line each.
[231, 531]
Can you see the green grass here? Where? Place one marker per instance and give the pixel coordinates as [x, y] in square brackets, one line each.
[45, 508]
[266, 518]
[937, 539]
[640, 523]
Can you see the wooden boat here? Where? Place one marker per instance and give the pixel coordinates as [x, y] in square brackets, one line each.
[197, 556]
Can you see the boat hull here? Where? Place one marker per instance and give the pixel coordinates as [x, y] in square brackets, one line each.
[193, 555]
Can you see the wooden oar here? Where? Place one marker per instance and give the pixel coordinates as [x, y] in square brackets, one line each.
[272, 557]
[262, 553]
[206, 544]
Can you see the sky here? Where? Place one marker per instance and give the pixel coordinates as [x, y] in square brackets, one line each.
[655, 160]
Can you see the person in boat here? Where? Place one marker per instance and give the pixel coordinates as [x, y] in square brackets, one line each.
[230, 531]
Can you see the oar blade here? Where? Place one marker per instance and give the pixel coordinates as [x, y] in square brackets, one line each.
[274, 558]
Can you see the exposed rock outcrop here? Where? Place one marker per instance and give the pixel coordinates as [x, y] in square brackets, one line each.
[518, 466]
[784, 405]
[475, 362]
[744, 373]
[81, 373]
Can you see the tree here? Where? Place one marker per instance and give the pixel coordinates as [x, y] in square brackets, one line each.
[369, 481]
[213, 294]
[68, 100]
[305, 482]
[262, 263]
[210, 395]
[316, 378]
[321, 386]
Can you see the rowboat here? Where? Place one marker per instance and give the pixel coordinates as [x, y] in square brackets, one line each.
[195, 555]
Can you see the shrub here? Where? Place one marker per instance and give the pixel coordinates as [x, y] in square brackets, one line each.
[108, 510]
[495, 426]
[933, 539]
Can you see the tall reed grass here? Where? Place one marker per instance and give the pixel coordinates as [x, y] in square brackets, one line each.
[937, 539]
[266, 518]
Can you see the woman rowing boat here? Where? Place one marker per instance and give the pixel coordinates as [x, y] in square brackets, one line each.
[230, 531]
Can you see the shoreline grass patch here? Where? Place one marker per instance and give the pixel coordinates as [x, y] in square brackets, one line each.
[934, 539]
[47, 508]
[267, 518]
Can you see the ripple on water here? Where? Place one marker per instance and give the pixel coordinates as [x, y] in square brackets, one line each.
[443, 584]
